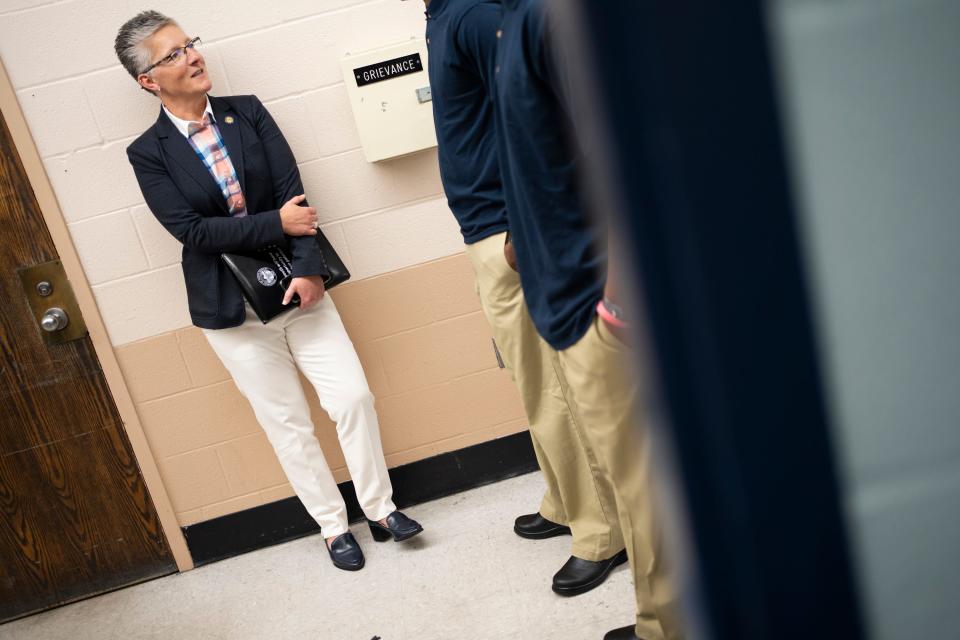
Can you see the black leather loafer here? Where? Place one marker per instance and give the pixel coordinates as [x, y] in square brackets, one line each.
[623, 633]
[399, 527]
[346, 553]
[534, 526]
[579, 576]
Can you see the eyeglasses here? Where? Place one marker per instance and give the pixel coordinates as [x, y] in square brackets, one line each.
[175, 56]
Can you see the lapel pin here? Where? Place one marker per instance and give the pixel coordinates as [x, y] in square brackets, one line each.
[228, 119]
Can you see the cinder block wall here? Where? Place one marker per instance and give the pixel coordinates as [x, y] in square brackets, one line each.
[411, 308]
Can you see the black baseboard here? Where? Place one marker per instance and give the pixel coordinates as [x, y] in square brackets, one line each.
[413, 483]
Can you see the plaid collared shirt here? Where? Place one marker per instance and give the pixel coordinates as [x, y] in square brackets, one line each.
[205, 139]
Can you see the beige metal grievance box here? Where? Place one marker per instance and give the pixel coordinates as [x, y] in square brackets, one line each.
[390, 95]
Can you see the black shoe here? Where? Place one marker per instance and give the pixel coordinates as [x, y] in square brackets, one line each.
[579, 576]
[623, 633]
[345, 553]
[399, 527]
[535, 527]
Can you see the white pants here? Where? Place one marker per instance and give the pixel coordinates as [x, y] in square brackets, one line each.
[263, 360]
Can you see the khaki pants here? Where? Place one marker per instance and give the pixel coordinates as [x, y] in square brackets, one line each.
[578, 494]
[604, 394]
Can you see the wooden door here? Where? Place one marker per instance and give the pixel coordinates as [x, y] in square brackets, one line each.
[75, 515]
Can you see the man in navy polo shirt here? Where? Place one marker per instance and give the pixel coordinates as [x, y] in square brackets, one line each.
[462, 41]
[561, 257]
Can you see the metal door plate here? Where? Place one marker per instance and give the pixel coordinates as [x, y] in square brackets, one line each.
[61, 296]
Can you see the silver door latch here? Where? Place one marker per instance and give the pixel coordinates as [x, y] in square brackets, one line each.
[55, 319]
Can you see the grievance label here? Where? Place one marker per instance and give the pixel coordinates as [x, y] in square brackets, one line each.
[389, 69]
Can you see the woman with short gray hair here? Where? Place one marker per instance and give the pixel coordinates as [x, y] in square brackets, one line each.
[220, 177]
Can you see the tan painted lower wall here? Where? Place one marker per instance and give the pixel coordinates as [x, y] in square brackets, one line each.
[427, 352]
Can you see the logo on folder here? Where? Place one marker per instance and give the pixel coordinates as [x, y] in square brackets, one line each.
[266, 276]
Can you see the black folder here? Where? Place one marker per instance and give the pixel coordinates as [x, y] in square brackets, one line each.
[264, 275]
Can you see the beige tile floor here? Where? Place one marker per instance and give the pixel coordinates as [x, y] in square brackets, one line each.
[467, 577]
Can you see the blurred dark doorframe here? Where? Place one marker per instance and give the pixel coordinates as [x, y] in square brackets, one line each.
[679, 101]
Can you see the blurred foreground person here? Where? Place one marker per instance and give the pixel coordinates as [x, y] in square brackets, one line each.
[462, 41]
[562, 261]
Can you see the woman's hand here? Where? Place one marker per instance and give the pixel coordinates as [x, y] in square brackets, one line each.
[297, 220]
[309, 288]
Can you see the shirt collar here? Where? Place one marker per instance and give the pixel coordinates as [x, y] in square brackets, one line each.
[182, 125]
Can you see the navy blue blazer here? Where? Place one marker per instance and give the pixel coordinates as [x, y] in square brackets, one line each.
[187, 201]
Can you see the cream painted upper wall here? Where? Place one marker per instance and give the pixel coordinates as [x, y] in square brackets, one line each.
[83, 110]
